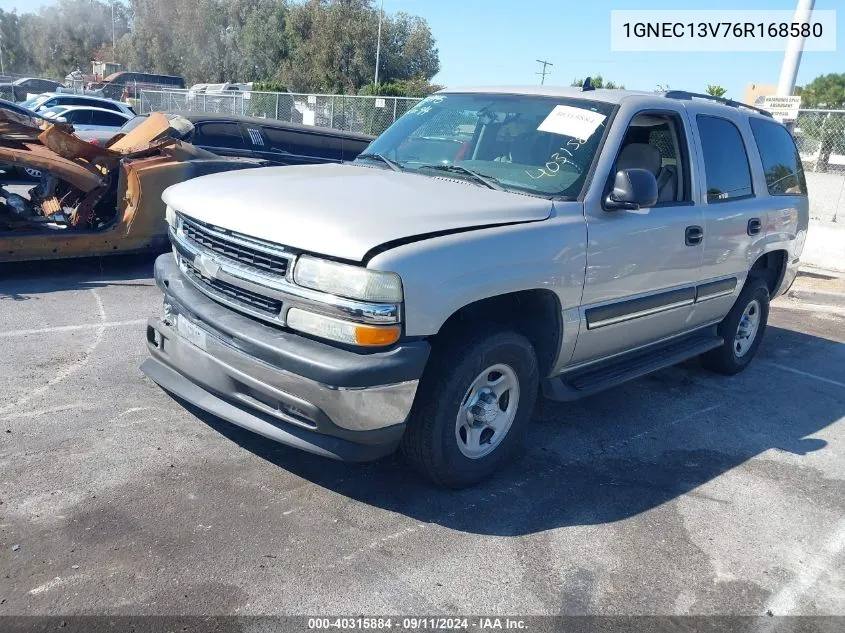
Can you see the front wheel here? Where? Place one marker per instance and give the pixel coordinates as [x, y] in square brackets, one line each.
[473, 406]
[742, 329]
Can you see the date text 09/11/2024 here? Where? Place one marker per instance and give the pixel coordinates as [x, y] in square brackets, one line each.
[416, 623]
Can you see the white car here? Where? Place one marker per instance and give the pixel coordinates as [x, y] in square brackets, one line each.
[85, 118]
[49, 100]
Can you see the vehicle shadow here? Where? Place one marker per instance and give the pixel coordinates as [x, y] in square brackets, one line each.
[616, 460]
[21, 280]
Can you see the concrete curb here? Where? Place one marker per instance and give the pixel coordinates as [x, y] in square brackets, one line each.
[818, 297]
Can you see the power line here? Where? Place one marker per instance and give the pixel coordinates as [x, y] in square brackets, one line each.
[543, 72]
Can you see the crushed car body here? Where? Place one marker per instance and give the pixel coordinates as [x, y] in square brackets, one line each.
[94, 199]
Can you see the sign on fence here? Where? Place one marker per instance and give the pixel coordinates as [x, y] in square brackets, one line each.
[379, 103]
[783, 108]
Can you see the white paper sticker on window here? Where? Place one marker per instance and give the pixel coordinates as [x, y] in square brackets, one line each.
[575, 122]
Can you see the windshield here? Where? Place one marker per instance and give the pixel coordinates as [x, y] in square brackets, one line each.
[55, 110]
[34, 102]
[538, 145]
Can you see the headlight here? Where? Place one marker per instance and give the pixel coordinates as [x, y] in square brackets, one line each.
[353, 282]
[170, 216]
[342, 331]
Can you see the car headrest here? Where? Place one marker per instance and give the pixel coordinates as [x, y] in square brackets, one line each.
[641, 156]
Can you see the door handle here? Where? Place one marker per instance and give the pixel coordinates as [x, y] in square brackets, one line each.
[754, 226]
[693, 235]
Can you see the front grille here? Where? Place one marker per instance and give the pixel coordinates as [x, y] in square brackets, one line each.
[240, 296]
[234, 247]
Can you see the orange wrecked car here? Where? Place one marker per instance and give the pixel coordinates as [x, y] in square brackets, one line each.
[94, 199]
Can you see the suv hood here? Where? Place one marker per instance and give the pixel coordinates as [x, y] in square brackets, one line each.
[345, 210]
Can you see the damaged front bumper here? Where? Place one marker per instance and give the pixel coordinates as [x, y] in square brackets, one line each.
[297, 391]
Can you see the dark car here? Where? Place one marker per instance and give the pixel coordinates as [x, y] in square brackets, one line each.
[19, 89]
[278, 142]
[127, 84]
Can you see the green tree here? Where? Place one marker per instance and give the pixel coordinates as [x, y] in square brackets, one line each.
[716, 90]
[599, 82]
[828, 129]
[418, 87]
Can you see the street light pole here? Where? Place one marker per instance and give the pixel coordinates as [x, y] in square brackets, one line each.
[794, 48]
[378, 41]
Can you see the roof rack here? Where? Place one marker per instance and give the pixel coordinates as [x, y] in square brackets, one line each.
[683, 94]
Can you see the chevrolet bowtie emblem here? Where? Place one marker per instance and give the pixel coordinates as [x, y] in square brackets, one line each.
[207, 266]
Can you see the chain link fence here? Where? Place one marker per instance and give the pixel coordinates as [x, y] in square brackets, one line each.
[367, 115]
[820, 136]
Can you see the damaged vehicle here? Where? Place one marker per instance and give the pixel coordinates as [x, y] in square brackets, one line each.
[93, 199]
[490, 244]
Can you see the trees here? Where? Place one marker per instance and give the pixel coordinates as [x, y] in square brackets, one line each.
[309, 45]
[599, 82]
[716, 90]
[825, 92]
[333, 46]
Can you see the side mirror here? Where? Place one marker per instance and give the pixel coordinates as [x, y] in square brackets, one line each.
[61, 119]
[632, 189]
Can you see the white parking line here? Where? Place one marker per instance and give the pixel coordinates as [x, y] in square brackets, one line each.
[70, 369]
[807, 374]
[785, 600]
[48, 411]
[70, 328]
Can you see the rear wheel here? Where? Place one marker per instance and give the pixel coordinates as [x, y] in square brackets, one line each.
[742, 330]
[473, 406]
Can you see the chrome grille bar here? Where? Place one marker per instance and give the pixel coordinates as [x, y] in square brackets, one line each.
[267, 286]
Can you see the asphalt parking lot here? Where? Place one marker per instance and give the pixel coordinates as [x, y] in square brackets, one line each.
[680, 493]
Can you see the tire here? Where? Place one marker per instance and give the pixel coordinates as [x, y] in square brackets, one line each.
[736, 352]
[447, 443]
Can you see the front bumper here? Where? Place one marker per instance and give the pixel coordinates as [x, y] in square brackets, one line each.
[297, 391]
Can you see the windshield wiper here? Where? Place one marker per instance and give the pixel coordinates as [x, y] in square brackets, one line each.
[487, 181]
[390, 163]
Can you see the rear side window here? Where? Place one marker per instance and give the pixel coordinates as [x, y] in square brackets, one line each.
[781, 162]
[727, 173]
[107, 118]
[105, 105]
[220, 135]
[79, 117]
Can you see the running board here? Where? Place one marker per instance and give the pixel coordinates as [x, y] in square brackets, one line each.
[600, 376]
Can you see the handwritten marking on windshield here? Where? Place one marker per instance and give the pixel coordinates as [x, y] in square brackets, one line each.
[555, 162]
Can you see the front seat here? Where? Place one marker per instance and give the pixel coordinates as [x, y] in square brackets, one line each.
[643, 156]
[530, 148]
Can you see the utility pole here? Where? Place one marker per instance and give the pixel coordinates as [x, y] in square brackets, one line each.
[2, 69]
[378, 41]
[543, 72]
[113, 52]
[794, 48]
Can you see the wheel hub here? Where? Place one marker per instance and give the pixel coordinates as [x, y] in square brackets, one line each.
[746, 330]
[487, 411]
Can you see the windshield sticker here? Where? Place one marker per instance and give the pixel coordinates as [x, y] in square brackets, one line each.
[570, 121]
[424, 106]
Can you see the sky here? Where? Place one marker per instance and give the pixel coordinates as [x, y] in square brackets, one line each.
[484, 42]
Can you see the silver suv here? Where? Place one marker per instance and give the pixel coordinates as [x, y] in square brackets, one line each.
[490, 244]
